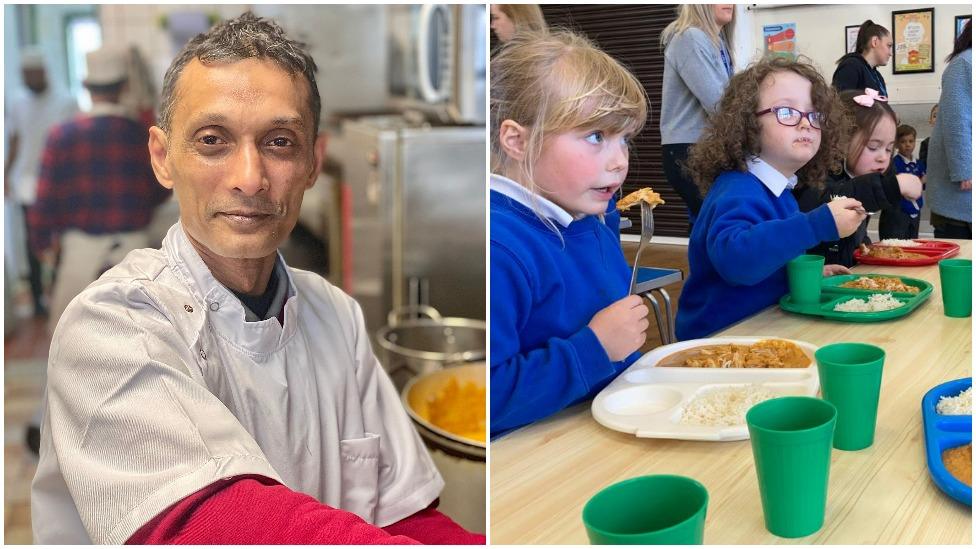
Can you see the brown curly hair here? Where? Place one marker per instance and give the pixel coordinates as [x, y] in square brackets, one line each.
[733, 133]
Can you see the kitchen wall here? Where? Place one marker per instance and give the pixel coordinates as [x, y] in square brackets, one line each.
[347, 42]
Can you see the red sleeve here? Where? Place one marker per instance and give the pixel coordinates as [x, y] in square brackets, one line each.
[257, 510]
[432, 527]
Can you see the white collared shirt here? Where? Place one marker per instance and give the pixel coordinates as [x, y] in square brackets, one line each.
[525, 197]
[770, 176]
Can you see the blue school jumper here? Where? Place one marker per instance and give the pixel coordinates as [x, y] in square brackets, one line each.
[544, 292]
[738, 252]
[916, 168]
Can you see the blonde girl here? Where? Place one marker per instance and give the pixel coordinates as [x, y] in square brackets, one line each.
[562, 322]
[778, 123]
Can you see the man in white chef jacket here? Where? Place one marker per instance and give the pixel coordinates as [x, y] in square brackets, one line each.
[206, 392]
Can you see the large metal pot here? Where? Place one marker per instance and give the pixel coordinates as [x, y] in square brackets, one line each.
[460, 460]
[423, 345]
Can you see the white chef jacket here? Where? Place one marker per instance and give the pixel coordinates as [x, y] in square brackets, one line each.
[157, 387]
[31, 117]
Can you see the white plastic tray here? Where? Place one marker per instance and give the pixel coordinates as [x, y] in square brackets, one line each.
[647, 401]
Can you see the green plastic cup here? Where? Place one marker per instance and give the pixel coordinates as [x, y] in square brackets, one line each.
[791, 439]
[956, 276]
[850, 378]
[805, 274]
[648, 510]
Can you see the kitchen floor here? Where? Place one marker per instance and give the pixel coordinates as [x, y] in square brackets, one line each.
[25, 359]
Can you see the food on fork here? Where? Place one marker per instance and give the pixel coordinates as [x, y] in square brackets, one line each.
[646, 194]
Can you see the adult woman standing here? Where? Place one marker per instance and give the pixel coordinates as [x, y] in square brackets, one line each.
[508, 19]
[698, 63]
[950, 175]
[858, 70]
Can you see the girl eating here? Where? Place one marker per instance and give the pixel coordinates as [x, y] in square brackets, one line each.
[778, 124]
[562, 323]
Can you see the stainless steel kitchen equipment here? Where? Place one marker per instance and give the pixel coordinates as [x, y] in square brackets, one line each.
[438, 60]
[416, 219]
[417, 346]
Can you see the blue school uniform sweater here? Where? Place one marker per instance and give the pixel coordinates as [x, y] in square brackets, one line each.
[544, 292]
[738, 252]
[916, 168]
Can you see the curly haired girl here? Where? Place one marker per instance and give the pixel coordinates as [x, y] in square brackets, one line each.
[778, 124]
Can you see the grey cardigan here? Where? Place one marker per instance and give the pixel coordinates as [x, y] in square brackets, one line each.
[694, 81]
[950, 157]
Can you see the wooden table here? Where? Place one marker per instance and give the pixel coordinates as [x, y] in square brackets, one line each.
[543, 474]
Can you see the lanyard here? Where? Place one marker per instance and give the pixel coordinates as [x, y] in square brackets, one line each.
[725, 60]
[879, 82]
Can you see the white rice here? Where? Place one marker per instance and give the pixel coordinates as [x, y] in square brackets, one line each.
[724, 406]
[959, 405]
[874, 304]
[836, 197]
[901, 243]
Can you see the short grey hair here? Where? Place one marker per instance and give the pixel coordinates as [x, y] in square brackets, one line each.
[241, 38]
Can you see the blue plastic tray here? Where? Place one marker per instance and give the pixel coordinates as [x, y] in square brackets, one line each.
[943, 432]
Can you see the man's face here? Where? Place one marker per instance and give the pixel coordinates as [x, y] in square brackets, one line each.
[35, 80]
[240, 153]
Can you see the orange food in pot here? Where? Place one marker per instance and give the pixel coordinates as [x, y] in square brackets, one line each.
[459, 409]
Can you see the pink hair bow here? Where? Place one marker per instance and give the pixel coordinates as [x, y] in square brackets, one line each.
[869, 97]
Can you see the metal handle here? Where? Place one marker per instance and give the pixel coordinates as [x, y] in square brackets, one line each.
[426, 310]
[427, 26]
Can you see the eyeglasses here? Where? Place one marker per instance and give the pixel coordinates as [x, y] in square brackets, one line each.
[788, 116]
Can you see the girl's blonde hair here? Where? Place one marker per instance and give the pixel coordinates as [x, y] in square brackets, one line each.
[524, 17]
[733, 134]
[551, 83]
[701, 16]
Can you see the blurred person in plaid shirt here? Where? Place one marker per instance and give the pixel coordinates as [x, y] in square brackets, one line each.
[96, 191]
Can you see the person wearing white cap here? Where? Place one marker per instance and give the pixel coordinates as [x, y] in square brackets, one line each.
[98, 160]
[96, 192]
[28, 120]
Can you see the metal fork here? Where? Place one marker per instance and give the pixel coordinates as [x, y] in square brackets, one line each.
[647, 231]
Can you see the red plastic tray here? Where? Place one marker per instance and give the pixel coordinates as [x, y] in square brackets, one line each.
[935, 250]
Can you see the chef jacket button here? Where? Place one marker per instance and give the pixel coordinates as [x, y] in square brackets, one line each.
[188, 308]
[203, 354]
[214, 305]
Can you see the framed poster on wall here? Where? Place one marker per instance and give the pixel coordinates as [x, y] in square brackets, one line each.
[961, 21]
[850, 38]
[914, 42]
[780, 40]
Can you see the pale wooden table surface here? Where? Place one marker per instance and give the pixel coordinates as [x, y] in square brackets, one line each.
[543, 474]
